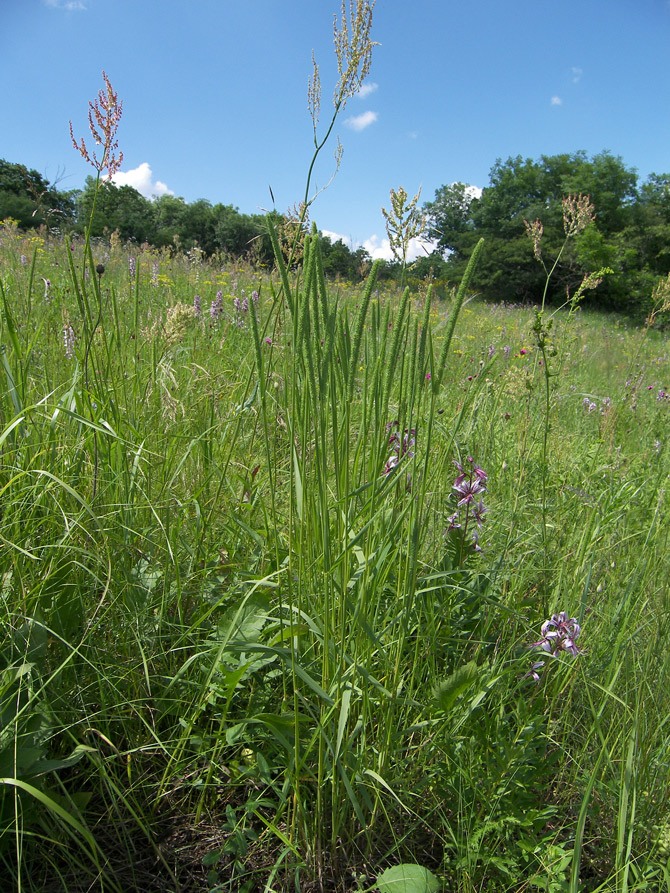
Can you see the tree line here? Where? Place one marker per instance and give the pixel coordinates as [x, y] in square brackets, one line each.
[164, 222]
[630, 234]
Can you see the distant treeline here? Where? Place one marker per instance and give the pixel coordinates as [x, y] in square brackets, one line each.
[630, 234]
[166, 222]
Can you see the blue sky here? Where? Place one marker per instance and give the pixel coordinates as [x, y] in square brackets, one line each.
[215, 94]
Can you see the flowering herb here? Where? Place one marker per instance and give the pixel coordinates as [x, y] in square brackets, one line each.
[559, 635]
[216, 307]
[399, 446]
[68, 340]
[468, 489]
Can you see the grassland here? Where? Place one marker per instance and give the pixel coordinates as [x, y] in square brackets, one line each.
[245, 644]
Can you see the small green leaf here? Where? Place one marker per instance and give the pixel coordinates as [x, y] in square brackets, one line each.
[407, 878]
[450, 688]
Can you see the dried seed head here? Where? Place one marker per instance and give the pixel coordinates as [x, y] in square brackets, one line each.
[353, 48]
[104, 116]
[534, 232]
[404, 222]
[578, 212]
[314, 93]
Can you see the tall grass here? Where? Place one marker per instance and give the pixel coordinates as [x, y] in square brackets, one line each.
[259, 631]
[226, 619]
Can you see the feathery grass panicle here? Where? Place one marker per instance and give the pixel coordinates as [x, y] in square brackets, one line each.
[353, 48]
[404, 222]
[578, 212]
[104, 117]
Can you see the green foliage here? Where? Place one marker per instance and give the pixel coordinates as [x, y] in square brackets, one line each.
[222, 613]
[630, 234]
[27, 197]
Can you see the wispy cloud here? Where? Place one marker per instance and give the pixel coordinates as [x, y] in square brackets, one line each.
[556, 100]
[69, 5]
[360, 122]
[576, 74]
[366, 90]
[141, 178]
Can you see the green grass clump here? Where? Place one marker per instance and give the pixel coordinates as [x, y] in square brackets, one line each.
[244, 645]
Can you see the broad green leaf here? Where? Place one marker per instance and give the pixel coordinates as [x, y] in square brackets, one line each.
[407, 878]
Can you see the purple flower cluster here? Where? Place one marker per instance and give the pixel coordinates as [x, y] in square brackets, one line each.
[242, 307]
[399, 447]
[216, 308]
[197, 305]
[132, 266]
[154, 273]
[468, 489]
[68, 340]
[559, 634]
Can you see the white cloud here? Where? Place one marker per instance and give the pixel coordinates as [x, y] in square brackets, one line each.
[360, 122]
[556, 100]
[382, 248]
[366, 90]
[70, 5]
[140, 178]
[576, 74]
[336, 237]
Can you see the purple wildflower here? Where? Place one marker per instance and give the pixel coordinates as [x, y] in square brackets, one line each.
[559, 634]
[132, 266]
[507, 350]
[399, 447]
[468, 488]
[68, 340]
[216, 308]
[24, 260]
[254, 297]
[197, 306]
[154, 273]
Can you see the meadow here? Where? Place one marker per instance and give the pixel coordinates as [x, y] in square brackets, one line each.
[306, 586]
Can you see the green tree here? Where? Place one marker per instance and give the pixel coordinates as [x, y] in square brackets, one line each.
[235, 233]
[523, 190]
[29, 198]
[120, 208]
